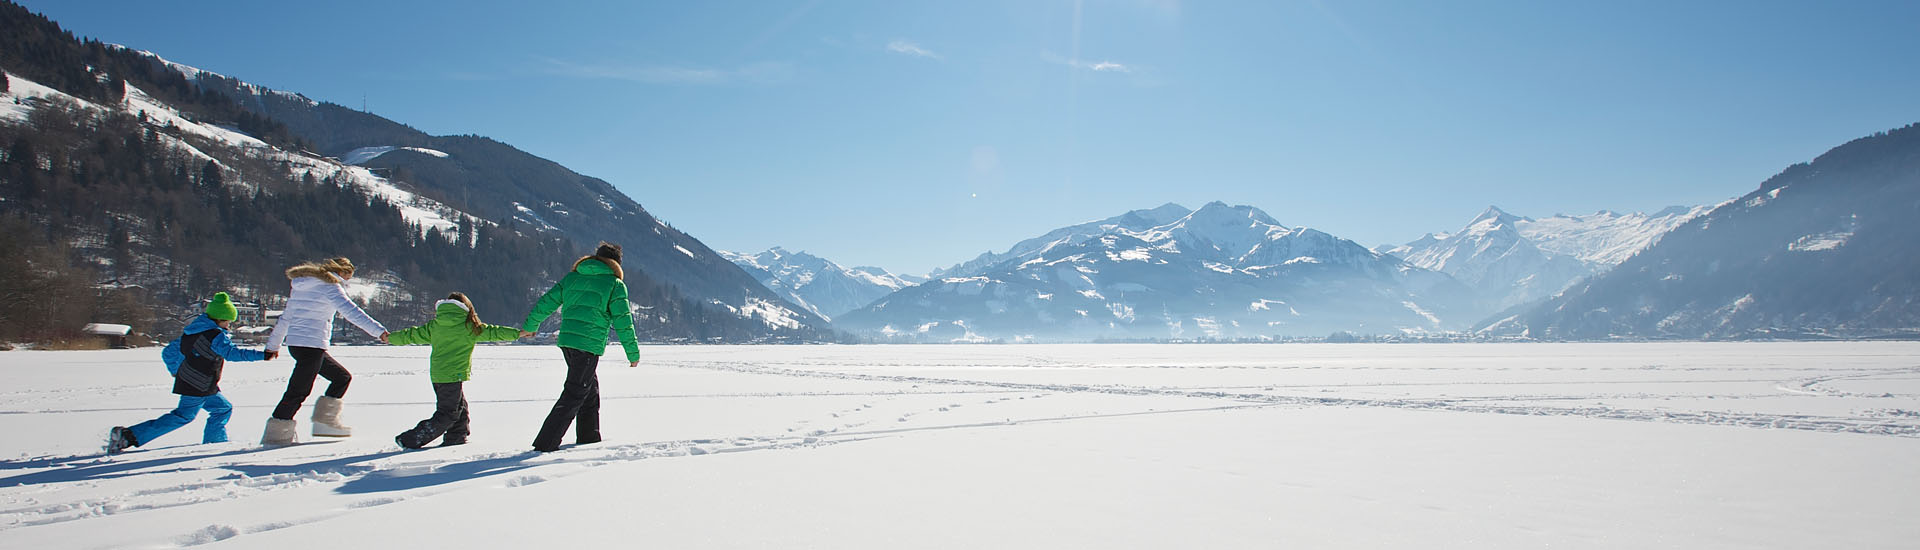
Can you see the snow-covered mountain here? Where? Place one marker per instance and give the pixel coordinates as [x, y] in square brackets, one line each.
[1822, 249]
[1218, 272]
[1511, 260]
[820, 285]
[194, 139]
[285, 175]
[1137, 220]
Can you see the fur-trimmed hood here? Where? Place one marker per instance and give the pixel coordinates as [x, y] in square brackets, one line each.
[328, 270]
[614, 265]
[316, 271]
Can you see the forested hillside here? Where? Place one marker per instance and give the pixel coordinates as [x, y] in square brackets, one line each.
[115, 214]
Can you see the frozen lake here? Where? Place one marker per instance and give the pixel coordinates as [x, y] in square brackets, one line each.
[1651, 445]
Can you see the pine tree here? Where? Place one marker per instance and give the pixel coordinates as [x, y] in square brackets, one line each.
[210, 175]
[118, 243]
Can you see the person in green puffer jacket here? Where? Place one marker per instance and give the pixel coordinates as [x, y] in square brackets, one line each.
[455, 328]
[591, 299]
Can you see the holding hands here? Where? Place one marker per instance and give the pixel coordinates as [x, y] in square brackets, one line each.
[524, 334]
[272, 353]
[383, 337]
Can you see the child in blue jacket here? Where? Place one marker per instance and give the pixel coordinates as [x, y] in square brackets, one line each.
[195, 359]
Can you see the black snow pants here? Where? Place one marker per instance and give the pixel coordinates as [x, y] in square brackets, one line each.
[579, 403]
[307, 363]
[449, 418]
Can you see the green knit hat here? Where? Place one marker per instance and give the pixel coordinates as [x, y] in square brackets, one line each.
[222, 308]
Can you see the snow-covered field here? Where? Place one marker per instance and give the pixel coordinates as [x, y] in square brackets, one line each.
[1669, 445]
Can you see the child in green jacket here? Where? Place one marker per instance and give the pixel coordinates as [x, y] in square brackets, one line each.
[452, 332]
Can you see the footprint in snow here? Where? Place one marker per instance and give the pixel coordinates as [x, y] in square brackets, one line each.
[373, 502]
[208, 534]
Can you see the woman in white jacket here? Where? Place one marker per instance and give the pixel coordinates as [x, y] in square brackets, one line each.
[306, 327]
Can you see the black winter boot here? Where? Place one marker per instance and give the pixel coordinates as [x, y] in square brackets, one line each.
[418, 437]
[119, 439]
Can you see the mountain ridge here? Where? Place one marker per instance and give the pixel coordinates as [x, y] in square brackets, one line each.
[1513, 260]
[822, 286]
[1220, 272]
[1814, 252]
[193, 139]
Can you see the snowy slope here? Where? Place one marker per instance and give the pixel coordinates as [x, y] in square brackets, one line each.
[1512, 260]
[1606, 238]
[1822, 249]
[421, 211]
[1218, 272]
[822, 286]
[1483, 447]
[22, 94]
[1137, 220]
[494, 184]
[364, 154]
[426, 213]
[195, 74]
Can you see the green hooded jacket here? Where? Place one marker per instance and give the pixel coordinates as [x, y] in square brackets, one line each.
[452, 341]
[591, 300]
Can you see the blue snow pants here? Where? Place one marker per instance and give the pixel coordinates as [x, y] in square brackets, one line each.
[218, 411]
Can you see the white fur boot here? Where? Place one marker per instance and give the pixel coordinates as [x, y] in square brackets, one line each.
[280, 433]
[326, 419]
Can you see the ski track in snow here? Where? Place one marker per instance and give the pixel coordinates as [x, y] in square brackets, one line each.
[1879, 426]
[57, 490]
[396, 476]
[388, 477]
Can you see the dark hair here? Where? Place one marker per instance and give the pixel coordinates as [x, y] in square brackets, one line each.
[608, 250]
[473, 317]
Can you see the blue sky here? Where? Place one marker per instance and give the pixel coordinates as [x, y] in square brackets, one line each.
[911, 135]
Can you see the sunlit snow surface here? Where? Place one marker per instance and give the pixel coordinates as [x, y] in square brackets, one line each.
[1683, 445]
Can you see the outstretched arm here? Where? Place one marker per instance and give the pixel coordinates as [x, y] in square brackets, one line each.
[422, 334]
[224, 346]
[338, 295]
[544, 308]
[497, 333]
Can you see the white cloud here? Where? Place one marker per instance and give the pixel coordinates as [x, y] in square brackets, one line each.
[1096, 66]
[909, 48]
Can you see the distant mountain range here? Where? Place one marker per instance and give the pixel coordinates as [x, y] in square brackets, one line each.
[1233, 272]
[821, 286]
[1511, 260]
[1218, 272]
